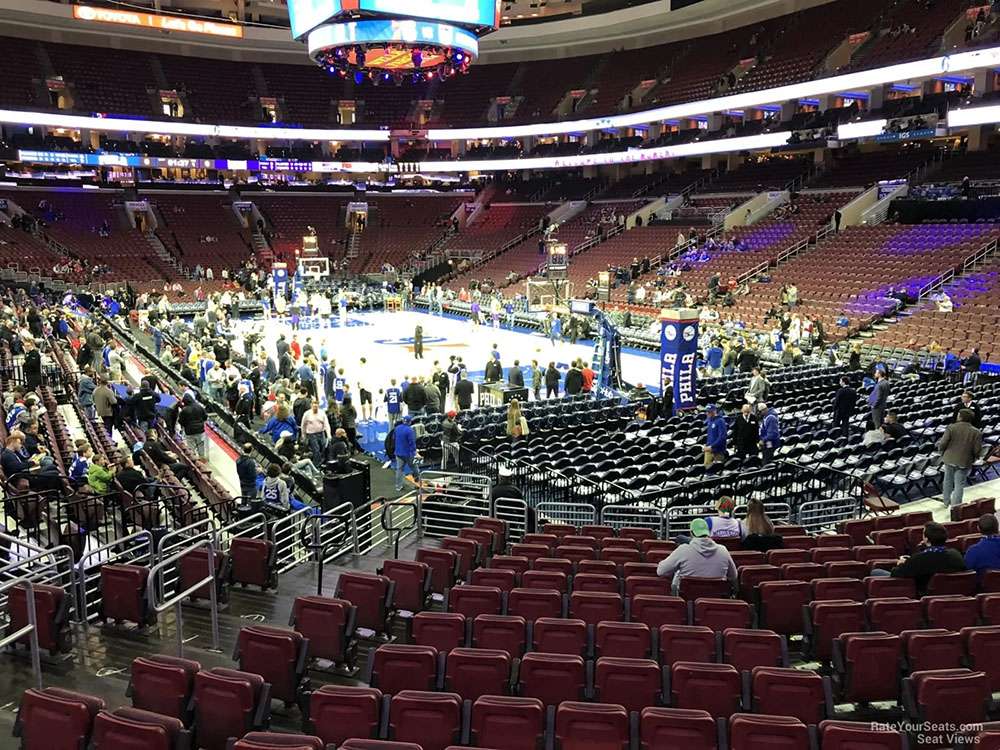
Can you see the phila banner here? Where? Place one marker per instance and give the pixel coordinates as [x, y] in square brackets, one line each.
[678, 356]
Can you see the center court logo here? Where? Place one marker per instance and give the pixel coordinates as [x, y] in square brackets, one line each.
[408, 341]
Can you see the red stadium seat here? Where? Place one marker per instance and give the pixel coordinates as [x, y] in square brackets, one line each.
[751, 576]
[879, 587]
[643, 584]
[982, 645]
[596, 582]
[441, 630]
[552, 678]
[372, 596]
[696, 587]
[781, 605]
[499, 529]
[746, 649]
[825, 621]
[686, 643]
[55, 718]
[592, 606]
[252, 563]
[552, 635]
[677, 727]
[826, 589]
[791, 692]
[658, 610]
[127, 728]
[503, 632]
[947, 696]
[444, 565]
[469, 554]
[123, 594]
[584, 726]
[757, 732]
[339, 712]
[434, 720]
[894, 614]
[950, 612]
[554, 564]
[518, 564]
[633, 683]
[854, 735]
[228, 703]
[276, 654]
[51, 613]
[472, 600]
[500, 578]
[932, 649]
[512, 723]
[163, 685]
[412, 581]
[328, 624]
[276, 741]
[714, 688]
[719, 614]
[631, 640]
[959, 584]
[473, 672]
[396, 667]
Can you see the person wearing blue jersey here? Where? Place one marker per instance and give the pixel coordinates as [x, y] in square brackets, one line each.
[393, 402]
[338, 385]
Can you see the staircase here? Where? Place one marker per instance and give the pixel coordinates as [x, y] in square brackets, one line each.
[161, 252]
[353, 245]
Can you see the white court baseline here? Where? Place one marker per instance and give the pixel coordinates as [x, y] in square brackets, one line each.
[385, 339]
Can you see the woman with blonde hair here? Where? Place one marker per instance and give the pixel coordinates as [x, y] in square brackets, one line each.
[517, 425]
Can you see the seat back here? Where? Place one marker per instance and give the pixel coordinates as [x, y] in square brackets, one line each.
[677, 727]
[582, 726]
[719, 614]
[982, 644]
[556, 635]
[499, 529]
[472, 672]
[781, 605]
[468, 553]
[934, 648]
[500, 578]
[252, 562]
[514, 723]
[631, 640]
[697, 587]
[950, 612]
[442, 630]
[133, 729]
[397, 667]
[790, 692]
[755, 732]
[871, 665]
[746, 648]
[961, 584]
[434, 720]
[546, 579]
[853, 735]
[225, 701]
[633, 683]
[594, 606]
[502, 632]
[339, 712]
[693, 643]
[444, 567]
[276, 654]
[51, 615]
[532, 604]
[472, 600]
[596, 582]
[123, 593]
[552, 678]
[958, 696]
[371, 596]
[327, 623]
[412, 581]
[894, 614]
[828, 620]
[163, 684]
[709, 687]
[657, 610]
[47, 719]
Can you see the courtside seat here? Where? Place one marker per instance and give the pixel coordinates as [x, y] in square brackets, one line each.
[982, 646]
[767, 732]
[395, 667]
[691, 643]
[630, 640]
[123, 594]
[434, 720]
[532, 604]
[584, 726]
[510, 723]
[163, 685]
[55, 718]
[276, 654]
[719, 614]
[854, 735]
[868, 666]
[373, 596]
[473, 672]
[633, 683]
[193, 567]
[791, 692]
[690, 729]
[947, 696]
[934, 648]
[228, 703]
[594, 606]
[444, 565]
[135, 729]
[328, 624]
[502, 632]
[894, 614]
[501, 578]
[51, 616]
[715, 688]
[746, 648]
[781, 605]
[825, 621]
[556, 635]
[339, 712]
[442, 630]
[499, 529]
[413, 583]
[552, 678]
[276, 741]
[253, 563]
[472, 600]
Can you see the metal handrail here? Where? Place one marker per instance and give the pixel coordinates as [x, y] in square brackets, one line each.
[322, 548]
[176, 601]
[31, 629]
[184, 532]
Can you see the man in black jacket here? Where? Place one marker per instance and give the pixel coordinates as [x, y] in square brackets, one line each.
[844, 402]
[463, 392]
[192, 418]
[246, 470]
[415, 397]
[514, 375]
[972, 365]
[934, 558]
[144, 406]
[574, 379]
[32, 366]
[130, 477]
[552, 380]
[493, 372]
[966, 401]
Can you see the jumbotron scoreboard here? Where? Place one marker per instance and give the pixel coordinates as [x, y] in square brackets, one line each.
[389, 40]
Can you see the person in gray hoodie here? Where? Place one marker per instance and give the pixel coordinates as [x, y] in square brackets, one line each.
[700, 557]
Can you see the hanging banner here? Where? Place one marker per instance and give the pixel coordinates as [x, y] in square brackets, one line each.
[679, 356]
